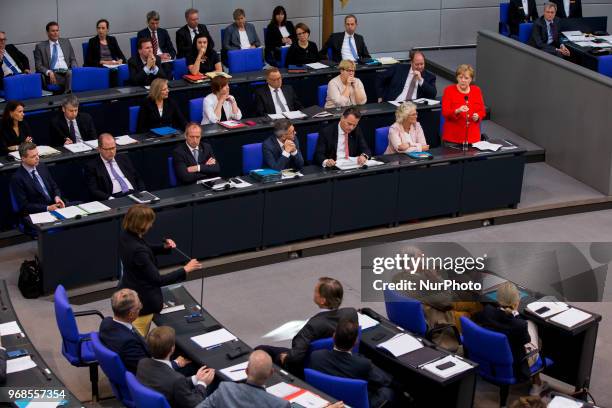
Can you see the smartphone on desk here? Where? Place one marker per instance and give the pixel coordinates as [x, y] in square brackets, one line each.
[17, 353]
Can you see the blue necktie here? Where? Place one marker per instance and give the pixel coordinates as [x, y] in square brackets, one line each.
[54, 56]
[11, 66]
[352, 47]
[41, 184]
[549, 32]
[120, 180]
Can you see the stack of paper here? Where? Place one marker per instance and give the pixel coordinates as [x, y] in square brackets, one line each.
[484, 145]
[125, 140]
[553, 308]
[70, 212]
[282, 389]
[19, 364]
[9, 328]
[322, 114]
[429, 101]
[276, 116]
[401, 344]
[309, 400]
[241, 183]
[294, 114]
[290, 174]
[15, 155]
[93, 207]
[570, 317]
[559, 401]
[387, 60]
[458, 367]
[92, 143]
[42, 218]
[236, 372]
[172, 309]
[78, 147]
[366, 321]
[112, 66]
[317, 65]
[47, 151]
[213, 338]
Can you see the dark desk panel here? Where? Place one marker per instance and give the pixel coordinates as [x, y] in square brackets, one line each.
[175, 223]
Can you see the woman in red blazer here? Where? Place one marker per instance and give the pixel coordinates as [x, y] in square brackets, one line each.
[460, 102]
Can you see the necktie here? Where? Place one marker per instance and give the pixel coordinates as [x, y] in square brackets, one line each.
[196, 155]
[72, 131]
[154, 41]
[346, 146]
[278, 101]
[120, 180]
[10, 66]
[549, 32]
[411, 88]
[54, 56]
[42, 188]
[352, 47]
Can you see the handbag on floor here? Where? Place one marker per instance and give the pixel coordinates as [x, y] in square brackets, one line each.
[30, 281]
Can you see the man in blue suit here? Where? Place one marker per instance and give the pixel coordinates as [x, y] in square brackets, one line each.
[281, 151]
[403, 82]
[162, 44]
[33, 188]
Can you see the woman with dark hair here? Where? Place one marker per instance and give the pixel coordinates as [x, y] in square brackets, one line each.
[103, 49]
[140, 271]
[303, 51]
[15, 130]
[203, 58]
[280, 33]
[219, 105]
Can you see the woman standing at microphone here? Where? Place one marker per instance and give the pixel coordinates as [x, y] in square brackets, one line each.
[140, 272]
[462, 108]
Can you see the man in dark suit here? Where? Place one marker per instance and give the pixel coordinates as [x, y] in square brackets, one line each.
[276, 97]
[521, 11]
[328, 293]
[54, 58]
[569, 8]
[70, 126]
[110, 175]
[342, 141]
[545, 34]
[146, 66]
[341, 362]
[160, 39]
[194, 160]
[401, 82]
[281, 151]
[157, 372]
[186, 34]
[12, 61]
[346, 45]
[32, 186]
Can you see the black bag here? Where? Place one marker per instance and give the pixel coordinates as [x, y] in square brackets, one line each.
[30, 279]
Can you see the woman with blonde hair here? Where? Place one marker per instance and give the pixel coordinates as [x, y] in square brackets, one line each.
[345, 89]
[406, 134]
[158, 110]
[140, 272]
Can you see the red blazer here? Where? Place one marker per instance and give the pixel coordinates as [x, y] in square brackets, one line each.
[454, 125]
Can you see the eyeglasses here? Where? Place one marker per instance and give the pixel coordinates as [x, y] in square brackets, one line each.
[109, 148]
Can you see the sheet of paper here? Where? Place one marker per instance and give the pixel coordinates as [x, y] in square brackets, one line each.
[290, 174]
[19, 364]
[395, 103]
[78, 147]
[559, 401]
[347, 164]
[236, 372]
[429, 101]
[70, 212]
[282, 389]
[322, 114]
[276, 116]
[9, 328]
[605, 37]
[93, 207]
[401, 344]
[294, 114]
[459, 367]
[317, 65]
[92, 143]
[554, 308]
[112, 66]
[387, 60]
[125, 140]
[15, 155]
[47, 151]
[484, 145]
[570, 317]
[213, 338]
[172, 309]
[571, 33]
[366, 321]
[41, 218]
[310, 400]
[374, 163]
[43, 404]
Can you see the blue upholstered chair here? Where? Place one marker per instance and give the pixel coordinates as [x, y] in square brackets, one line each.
[180, 68]
[352, 392]
[195, 109]
[144, 397]
[311, 145]
[21, 87]
[90, 79]
[381, 140]
[171, 172]
[113, 367]
[321, 95]
[252, 157]
[605, 65]
[525, 30]
[245, 60]
[504, 28]
[134, 110]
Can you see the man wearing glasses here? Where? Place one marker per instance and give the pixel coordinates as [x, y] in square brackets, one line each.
[12, 61]
[110, 176]
[281, 151]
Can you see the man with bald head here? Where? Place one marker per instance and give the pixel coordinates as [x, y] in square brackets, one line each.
[110, 175]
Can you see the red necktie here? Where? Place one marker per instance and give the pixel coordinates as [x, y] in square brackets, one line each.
[154, 42]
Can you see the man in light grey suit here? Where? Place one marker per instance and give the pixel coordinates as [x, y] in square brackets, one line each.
[54, 58]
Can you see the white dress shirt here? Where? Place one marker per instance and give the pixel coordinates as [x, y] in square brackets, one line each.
[346, 48]
[61, 61]
[244, 40]
[208, 110]
[5, 68]
[194, 379]
[277, 107]
[566, 6]
[116, 185]
[402, 96]
[526, 7]
[77, 132]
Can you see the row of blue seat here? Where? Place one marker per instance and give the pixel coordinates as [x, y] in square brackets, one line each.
[604, 65]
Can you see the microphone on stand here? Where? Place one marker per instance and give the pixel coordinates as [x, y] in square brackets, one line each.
[198, 315]
[467, 124]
